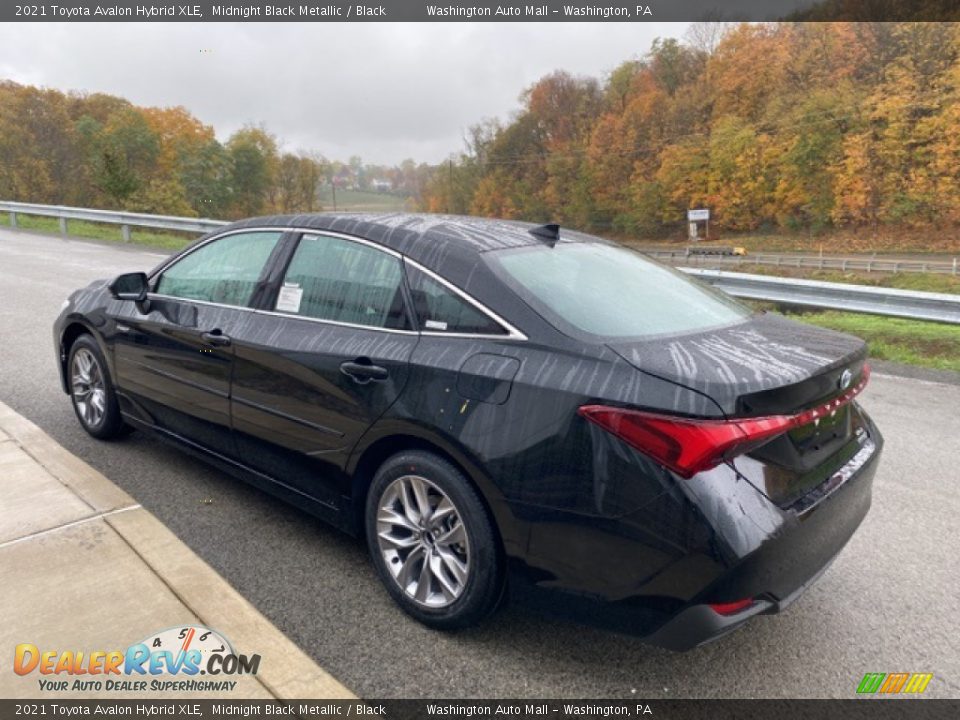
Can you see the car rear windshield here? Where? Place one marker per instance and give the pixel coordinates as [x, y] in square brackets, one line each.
[610, 292]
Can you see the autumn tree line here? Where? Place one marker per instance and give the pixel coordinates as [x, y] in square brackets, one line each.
[798, 126]
[806, 126]
[101, 151]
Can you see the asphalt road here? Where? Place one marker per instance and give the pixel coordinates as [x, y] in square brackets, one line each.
[889, 604]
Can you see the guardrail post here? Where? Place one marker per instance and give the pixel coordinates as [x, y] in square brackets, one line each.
[954, 266]
[125, 230]
[843, 265]
[869, 265]
[63, 226]
[13, 219]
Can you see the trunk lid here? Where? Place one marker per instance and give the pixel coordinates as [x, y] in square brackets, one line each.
[767, 365]
[770, 365]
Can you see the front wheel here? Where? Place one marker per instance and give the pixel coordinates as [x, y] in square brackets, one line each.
[432, 541]
[91, 390]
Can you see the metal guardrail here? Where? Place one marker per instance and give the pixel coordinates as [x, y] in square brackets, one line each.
[939, 307]
[125, 220]
[912, 304]
[818, 262]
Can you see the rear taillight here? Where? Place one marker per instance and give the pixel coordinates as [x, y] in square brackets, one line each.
[689, 445]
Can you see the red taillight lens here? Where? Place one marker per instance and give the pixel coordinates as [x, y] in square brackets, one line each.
[689, 445]
[731, 608]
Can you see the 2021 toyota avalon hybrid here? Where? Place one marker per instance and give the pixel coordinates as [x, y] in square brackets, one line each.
[496, 405]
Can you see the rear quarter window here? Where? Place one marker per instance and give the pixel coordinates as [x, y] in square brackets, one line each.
[439, 309]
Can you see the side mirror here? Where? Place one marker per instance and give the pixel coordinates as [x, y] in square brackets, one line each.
[130, 286]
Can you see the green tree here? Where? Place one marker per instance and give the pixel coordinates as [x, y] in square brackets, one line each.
[253, 167]
[205, 175]
[125, 152]
[297, 181]
[740, 180]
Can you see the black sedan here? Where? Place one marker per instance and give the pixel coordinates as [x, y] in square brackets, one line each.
[496, 406]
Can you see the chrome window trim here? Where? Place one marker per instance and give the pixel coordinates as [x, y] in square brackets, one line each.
[512, 332]
[352, 238]
[161, 296]
[358, 326]
[257, 311]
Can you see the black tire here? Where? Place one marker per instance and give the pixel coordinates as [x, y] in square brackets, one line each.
[483, 584]
[108, 424]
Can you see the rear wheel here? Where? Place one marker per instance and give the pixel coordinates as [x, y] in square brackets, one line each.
[91, 390]
[432, 541]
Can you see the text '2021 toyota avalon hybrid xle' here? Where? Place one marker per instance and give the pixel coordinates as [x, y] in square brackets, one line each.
[496, 405]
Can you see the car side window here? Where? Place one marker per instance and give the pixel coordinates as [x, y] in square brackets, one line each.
[439, 309]
[224, 271]
[332, 278]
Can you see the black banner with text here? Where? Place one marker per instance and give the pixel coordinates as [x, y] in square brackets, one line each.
[484, 11]
[875, 709]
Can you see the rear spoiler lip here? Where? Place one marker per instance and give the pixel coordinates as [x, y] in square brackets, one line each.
[779, 364]
[804, 394]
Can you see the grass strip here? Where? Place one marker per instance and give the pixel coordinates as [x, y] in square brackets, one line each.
[914, 342]
[162, 239]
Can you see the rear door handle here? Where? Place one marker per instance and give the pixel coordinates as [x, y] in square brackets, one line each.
[216, 337]
[363, 372]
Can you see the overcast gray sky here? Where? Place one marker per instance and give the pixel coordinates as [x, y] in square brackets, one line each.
[382, 91]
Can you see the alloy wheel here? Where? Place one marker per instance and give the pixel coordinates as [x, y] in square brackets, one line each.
[423, 541]
[89, 388]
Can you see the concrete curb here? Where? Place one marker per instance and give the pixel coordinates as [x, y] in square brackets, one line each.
[85, 482]
[289, 674]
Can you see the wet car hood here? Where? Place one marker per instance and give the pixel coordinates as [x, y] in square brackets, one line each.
[764, 365]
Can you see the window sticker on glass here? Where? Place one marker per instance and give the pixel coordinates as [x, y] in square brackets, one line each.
[435, 325]
[289, 298]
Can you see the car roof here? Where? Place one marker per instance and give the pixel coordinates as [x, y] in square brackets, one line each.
[424, 237]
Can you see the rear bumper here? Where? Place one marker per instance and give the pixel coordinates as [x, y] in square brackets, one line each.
[772, 559]
[782, 569]
[700, 624]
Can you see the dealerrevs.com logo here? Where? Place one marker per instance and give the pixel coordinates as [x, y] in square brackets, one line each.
[182, 659]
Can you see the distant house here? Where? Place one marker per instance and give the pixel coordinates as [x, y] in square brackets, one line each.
[380, 185]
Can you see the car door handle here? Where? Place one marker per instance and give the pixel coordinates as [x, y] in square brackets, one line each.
[363, 372]
[216, 337]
